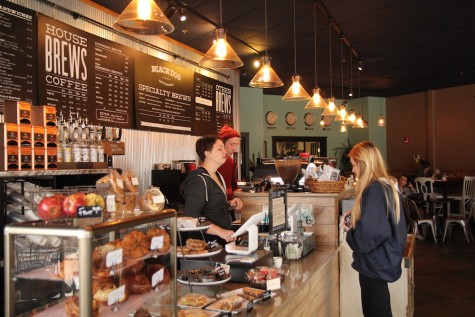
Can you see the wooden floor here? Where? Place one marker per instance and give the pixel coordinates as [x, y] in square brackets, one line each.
[445, 277]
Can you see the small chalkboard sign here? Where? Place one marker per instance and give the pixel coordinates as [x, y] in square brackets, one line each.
[89, 212]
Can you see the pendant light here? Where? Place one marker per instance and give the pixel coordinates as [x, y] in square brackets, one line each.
[359, 122]
[266, 77]
[316, 101]
[296, 92]
[381, 118]
[342, 114]
[351, 113]
[143, 17]
[331, 109]
[221, 54]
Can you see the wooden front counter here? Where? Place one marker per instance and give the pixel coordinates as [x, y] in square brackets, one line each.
[325, 208]
[310, 289]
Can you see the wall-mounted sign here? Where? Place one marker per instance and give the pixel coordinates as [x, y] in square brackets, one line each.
[85, 75]
[18, 54]
[163, 93]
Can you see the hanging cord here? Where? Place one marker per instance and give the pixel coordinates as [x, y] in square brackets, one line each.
[220, 14]
[331, 71]
[315, 40]
[341, 63]
[295, 46]
[265, 20]
[351, 74]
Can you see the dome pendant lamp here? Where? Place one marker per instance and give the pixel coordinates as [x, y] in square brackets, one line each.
[316, 102]
[296, 92]
[266, 77]
[331, 109]
[221, 54]
[143, 17]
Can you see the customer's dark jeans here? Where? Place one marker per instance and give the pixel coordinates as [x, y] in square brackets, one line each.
[375, 297]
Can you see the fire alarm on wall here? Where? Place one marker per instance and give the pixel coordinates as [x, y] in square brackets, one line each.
[406, 139]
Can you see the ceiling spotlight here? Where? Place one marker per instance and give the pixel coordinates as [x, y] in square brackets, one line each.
[360, 65]
[257, 63]
[182, 15]
[350, 93]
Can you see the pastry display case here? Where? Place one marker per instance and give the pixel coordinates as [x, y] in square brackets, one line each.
[114, 268]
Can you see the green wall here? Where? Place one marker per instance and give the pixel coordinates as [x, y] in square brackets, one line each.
[254, 106]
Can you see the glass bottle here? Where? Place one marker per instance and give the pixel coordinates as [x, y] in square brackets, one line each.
[92, 146]
[84, 144]
[66, 145]
[76, 146]
[100, 147]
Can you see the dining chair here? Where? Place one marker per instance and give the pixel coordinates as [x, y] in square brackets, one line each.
[425, 185]
[417, 218]
[462, 219]
[468, 192]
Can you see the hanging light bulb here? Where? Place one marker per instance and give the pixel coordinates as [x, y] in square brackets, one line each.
[296, 92]
[266, 77]
[143, 17]
[331, 109]
[343, 127]
[316, 101]
[221, 54]
[342, 114]
[381, 121]
[351, 116]
[322, 121]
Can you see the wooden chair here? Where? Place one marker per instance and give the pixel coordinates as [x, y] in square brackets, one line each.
[417, 218]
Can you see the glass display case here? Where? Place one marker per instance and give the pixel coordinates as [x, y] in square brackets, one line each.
[109, 269]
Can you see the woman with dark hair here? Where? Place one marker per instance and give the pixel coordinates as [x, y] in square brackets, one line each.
[376, 231]
[204, 190]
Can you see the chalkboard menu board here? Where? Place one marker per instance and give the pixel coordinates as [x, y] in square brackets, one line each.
[84, 74]
[212, 105]
[163, 95]
[17, 53]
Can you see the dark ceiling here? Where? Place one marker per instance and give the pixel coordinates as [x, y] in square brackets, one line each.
[406, 46]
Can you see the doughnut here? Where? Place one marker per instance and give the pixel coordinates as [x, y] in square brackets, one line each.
[158, 232]
[196, 244]
[137, 283]
[135, 244]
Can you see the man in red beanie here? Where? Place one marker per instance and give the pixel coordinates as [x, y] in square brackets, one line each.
[231, 139]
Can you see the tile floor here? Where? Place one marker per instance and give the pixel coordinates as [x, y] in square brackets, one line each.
[444, 275]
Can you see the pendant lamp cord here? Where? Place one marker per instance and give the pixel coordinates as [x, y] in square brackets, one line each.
[315, 39]
[331, 71]
[220, 14]
[295, 46]
[265, 20]
[341, 63]
[351, 75]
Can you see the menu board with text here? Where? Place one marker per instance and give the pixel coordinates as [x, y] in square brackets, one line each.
[17, 53]
[213, 105]
[163, 95]
[84, 75]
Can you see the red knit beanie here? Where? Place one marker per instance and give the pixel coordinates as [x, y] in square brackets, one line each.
[227, 132]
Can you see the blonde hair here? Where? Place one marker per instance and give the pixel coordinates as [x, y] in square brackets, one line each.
[372, 168]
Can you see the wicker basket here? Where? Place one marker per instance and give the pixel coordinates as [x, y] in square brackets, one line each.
[317, 186]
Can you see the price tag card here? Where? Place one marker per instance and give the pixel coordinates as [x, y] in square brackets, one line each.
[119, 182]
[212, 244]
[110, 203]
[116, 295]
[273, 284]
[156, 243]
[89, 212]
[250, 306]
[76, 281]
[158, 199]
[114, 257]
[202, 219]
[225, 267]
[220, 270]
[157, 277]
[266, 295]
[226, 314]
[135, 181]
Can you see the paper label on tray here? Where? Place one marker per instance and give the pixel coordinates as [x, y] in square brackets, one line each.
[110, 203]
[156, 243]
[157, 277]
[135, 181]
[273, 284]
[114, 257]
[116, 295]
[266, 295]
[158, 199]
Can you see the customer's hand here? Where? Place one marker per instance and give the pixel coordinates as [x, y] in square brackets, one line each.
[346, 221]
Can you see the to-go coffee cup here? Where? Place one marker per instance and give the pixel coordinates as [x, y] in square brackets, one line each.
[277, 262]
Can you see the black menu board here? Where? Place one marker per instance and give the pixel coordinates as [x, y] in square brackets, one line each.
[83, 74]
[17, 53]
[213, 105]
[163, 93]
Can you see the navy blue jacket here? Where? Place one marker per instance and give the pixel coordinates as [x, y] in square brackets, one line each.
[377, 241]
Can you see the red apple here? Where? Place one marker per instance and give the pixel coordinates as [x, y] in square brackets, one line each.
[72, 202]
[50, 208]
